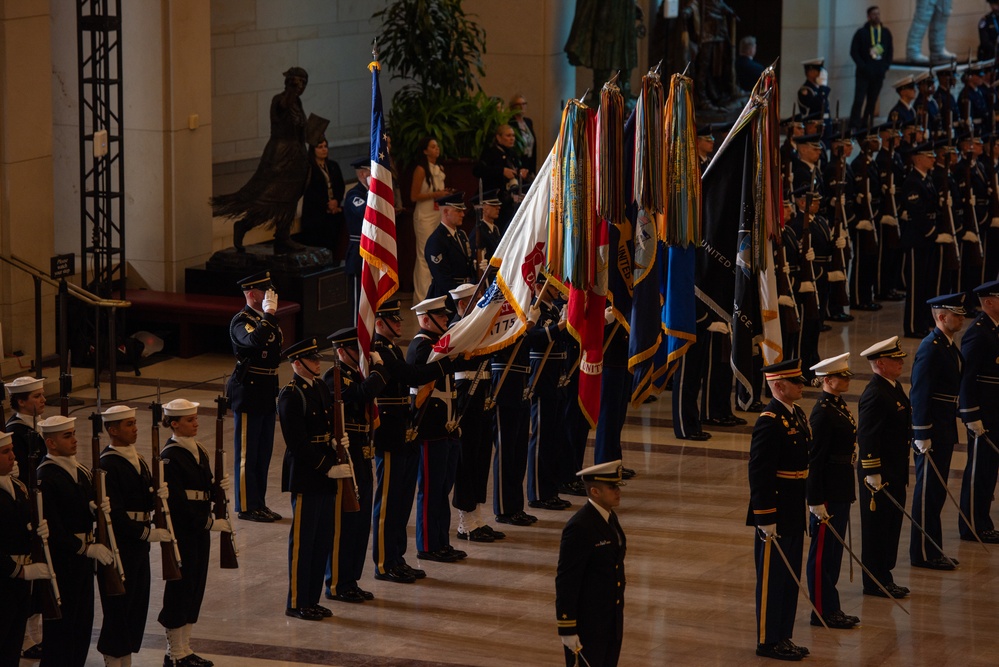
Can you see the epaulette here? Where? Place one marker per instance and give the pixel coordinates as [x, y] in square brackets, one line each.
[768, 414]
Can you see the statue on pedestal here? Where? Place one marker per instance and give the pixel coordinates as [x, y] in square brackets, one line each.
[604, 37]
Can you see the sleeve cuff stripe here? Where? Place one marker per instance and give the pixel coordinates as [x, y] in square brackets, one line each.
[873, 463]
[566, 624]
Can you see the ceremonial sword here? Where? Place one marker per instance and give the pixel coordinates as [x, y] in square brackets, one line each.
[862, 566]
[953, 500]
[913, 521]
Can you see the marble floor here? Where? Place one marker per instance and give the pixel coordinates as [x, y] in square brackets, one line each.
[689, 599]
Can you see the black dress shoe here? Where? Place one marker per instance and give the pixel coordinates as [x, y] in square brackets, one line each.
[271, 513]
[439, 556]
[573, 488]
[868, 307]
[495, 534]
[897, 591]
[395, 574]
[32, 652]
[853, 619]
[840, 317]
[755, 406]
[940, 563]
[834, 621]
[628, 473]
[414, 572]
[457, 553]
[304, 613]
[255, 515]
[195, 660]
[513, 519]
[698, 437]
[794, 647]
[988, 536]
[778, 651]
[321, 610]
[549, 504]
[824, 328]
[476, 535]
[345, 596]
[524, 515]
[367, 595]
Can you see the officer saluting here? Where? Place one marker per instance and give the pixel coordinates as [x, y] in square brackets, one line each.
[448, 253]
[256, 342]
[813, 96]
[590, 580]
[778, 468]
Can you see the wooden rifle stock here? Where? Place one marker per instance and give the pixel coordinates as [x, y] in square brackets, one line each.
[110, 577]
[348, 488]
[868, 238]
[46, 590]
[788, 315]
[170, 551]
[228, 554]
[891, 235]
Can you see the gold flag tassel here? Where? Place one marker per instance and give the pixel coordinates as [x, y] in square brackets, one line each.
[681, 224]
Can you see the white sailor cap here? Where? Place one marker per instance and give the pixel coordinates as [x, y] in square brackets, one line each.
[922, 76]
[57, 424]
[904, 82]
[813, 63]
[24, 385]
[117, 413]
[609, 472]
[5, 439]
[180, 407]
[889, 347]
[429, 306]
[838, 365]
[462, 291]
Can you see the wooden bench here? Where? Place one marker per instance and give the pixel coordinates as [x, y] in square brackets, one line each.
[198, 317]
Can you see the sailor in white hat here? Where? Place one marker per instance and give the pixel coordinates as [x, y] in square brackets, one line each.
[27, 401]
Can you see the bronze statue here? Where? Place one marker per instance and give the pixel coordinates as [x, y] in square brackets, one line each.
[604, 37]
[272, 193]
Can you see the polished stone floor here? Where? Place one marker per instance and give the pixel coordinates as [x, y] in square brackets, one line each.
[689, 599]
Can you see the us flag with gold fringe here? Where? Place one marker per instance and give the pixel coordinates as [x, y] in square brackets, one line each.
[380, 267]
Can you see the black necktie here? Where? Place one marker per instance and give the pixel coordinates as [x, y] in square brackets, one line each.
[618, 533]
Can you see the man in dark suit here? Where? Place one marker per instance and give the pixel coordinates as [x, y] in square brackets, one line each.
[871, 50]
[778, 468]
[747, 69]
[936, 383]
[448, 252]
[884, 433]
[590, 581]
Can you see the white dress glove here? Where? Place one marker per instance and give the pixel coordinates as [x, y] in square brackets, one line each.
[970, 237]
[220, 526]
[840, 242]
[944, 238]
[976, 427]
[571, 642]
[769, 530]
[43, 529]
[534, 314]
[341, 471]
[994, 223]
[226, 484]
[922, 446]
[865, 226]
[889, 220]
[483, 264]
[819, 511]
[34, 571]
[873, 481]
[806, 287]
[786, 268]
[719, 327]
[270, 301]
[163, 492]
[836, 276]
[785, 300]
[376, 359]
[810, 255]
[100, 553]
[159, 535]
[609, 315]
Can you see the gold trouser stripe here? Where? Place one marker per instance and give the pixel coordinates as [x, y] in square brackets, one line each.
[386, 476]
[337, 527]
[296, 532]
[763, 592]
[242, 462]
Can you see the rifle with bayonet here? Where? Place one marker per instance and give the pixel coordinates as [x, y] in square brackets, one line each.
[351, 494]
[838, 295]
[891, 234]
[47, 590]
[952, 249]
[227, 539]
[111, 577]
[868, 238]
[161, 518]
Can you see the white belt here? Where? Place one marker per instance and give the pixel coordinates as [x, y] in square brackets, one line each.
[196, 495]
[471, 375]
[514, 368]
[138, 516]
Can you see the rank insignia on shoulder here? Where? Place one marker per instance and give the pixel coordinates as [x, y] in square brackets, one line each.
[437, 258]
[248, 327]
[768, 414]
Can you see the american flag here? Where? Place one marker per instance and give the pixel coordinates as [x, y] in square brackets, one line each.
[380, 268]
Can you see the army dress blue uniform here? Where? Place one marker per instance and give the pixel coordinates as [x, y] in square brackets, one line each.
[936, 384]
[71, 531]
[132, 502]
[830, 482]
[256, 341]
[449, 257]
[546, 432]
[485, 237]
[615, 392]
[355, 202]
[350, 537]
[979, 400]
[15, 552]
[306, 411]
[778, 468]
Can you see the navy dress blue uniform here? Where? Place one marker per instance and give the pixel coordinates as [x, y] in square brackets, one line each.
[132, 502]
[905, 114]
[979, 400]
[920, 208]
[355, 202]
[350, 538]
[396, 460]
[589, 585]
[973, 99]
[256, 341]
[546, 433]
[936, 383]
[189, 479]
[67, 510]
[814, 99]
[306, 410]
[15, 550]
[449, 257]
[830, 482]
[778, 467]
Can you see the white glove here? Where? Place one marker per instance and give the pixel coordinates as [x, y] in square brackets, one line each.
[534, 314]
[163, 492]
[944, 238]
[43, 529]
[810, 255]
[376, 359]
[922, 446]
[719, 327]
[806, 287]
[34, 571]
[571, 642]
[840, 242]
[270, 301]
[483, 264]
[786, 268]
[785, 300]
[609, 315]
[100, 553]
[225, 484]
[970, 237]
[836, 276]
[769, 530]
[994, 223]
[976, 427]
[889, 220]
[159, 535]
[842, 200]
[341, 471]
[873, 481]
[819, 511]
[563, 314]
[220, 526]
[865, 226]
[104, 507]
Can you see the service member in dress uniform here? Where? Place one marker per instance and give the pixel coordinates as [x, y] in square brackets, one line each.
[979, 408]
[590, 579]
[396, 459]
[437, 435]
[68, 493]
[884, 435]
[188, 476]
[936, 384]
[486, 235]
[921, 232]
[972, 98]
[905, 108]
[925, 105]
[944, 96]
[27, 402]
[256, 342]
[129, 487]
[355, 202]
[813, 96]
[778, 469]
[830, 488]
[891, 175]
[350, 539]
[16, 568]
[448, 252]
[310, 472]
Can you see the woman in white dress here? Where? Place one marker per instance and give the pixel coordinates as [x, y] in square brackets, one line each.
[428, 185]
